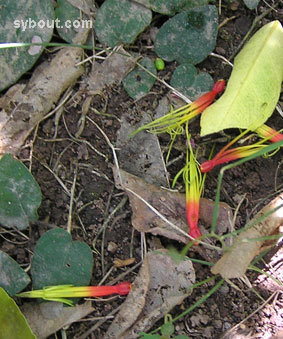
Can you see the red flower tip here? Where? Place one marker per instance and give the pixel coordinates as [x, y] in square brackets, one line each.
[195, 233]
[219, 86]
[207, 166]
[123, 288]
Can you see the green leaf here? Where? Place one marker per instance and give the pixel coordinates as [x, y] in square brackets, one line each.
[58, 260]
[186, 80]
[12, 322]
[251, 4]
[12, 277]
[68, 15]
[138, 82]
[20, 194]
[172, 7]
[121, 21]
[185, 39]
[22, 21]
[167, 329]
[254, 86]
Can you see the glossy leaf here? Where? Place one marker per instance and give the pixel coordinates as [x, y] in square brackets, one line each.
[58, 260]
[12, 322]
[22, 21]
[185, 39]
[12, 277]
[121, 21]
[20, 194]
[186, 80]
[254, 86]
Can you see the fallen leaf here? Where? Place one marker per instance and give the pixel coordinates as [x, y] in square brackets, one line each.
[234, 262]
[141, 155]
[161, 285]
[49, 317]
[122, 263]
[171, 205]
[23, 107]
[111, 71]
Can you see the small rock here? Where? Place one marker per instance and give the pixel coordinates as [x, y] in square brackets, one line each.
[112, 247]
[217, 323]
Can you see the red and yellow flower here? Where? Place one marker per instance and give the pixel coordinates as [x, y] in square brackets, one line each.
[61, 292]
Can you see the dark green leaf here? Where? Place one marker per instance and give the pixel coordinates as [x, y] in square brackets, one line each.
[189, 36]
[121, 21]
[22, 21]
[138, 82]
[189, 83]
[12, 277]
[58, 260]
[20, 194]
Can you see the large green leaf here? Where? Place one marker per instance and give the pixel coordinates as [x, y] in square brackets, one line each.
[13, 324]
[22, 21]
[12, 277]
[189, 36]
[58, 260]
[20, 194]
[120, 21]
[254, 86]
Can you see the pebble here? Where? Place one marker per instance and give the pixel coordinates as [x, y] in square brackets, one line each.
[112, 247]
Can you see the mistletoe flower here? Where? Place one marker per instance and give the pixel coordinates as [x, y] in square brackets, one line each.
[61, 292]
[194, 183]
[172, 122]
[265, 131]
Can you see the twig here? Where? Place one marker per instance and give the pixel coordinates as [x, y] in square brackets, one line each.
[69, 225]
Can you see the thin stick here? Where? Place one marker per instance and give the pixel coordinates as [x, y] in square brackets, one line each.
[69, 225]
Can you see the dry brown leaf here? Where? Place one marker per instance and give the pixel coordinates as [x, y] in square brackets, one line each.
[111, 71]
[49, 317]
[161, 285]
[122, 263]
[236, 260]
[171, 205]
[22, 107]
[141, 155]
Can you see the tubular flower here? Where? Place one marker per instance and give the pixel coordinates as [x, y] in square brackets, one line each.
[172, 122]
[60, 292]
[227, 155]
[265, 131]
[194, 186]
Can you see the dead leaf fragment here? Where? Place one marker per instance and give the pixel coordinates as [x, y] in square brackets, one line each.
[49, 317]
[161, 285]
[141, 155]
[171, 205]
[22, 107]
[236, 260]
[123, 263]
[111, 71]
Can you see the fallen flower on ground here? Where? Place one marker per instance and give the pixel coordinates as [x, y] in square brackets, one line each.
[265, 131]
[60, 292]
[172, 122]
[194, 183]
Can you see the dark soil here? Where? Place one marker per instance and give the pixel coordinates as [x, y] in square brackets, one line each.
[96, 197]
